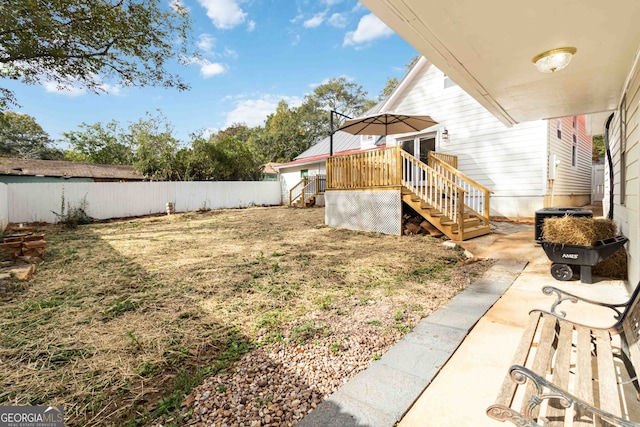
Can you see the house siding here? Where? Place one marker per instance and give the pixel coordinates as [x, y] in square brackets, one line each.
[511, 162]
[572, 185]
[29, 179]
[626, 213]
[290, 176]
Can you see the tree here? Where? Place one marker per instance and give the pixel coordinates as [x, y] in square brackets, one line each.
[98, 143]
[22, 137]
[598, 148]
[340, 95]
[283, 136]
[85, 43]
[227, 159]
[389, 87]
[155, 148]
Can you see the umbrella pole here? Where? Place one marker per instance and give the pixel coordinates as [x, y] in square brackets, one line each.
[331, 131]
[331, 134]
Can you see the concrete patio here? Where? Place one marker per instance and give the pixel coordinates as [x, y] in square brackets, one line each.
[448, 370]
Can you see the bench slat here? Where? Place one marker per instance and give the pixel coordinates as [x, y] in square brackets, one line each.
[584, 375]
[508, 389]
[556, 413]
[607, 379]
[541, 360]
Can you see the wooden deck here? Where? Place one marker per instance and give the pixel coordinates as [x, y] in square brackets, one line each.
[455, 204]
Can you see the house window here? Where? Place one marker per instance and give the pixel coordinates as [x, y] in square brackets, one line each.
[574, 155]
[559, 129]
[575, 139]
[304, 172]
[575, 122]
[448, 82]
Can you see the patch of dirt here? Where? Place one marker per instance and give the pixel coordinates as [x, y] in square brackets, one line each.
[247, 316]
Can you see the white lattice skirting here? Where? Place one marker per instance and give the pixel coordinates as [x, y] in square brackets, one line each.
[365, 210]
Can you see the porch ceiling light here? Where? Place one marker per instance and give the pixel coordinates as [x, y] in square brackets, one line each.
[554, 60]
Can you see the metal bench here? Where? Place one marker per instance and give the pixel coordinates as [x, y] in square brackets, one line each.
[567, 373]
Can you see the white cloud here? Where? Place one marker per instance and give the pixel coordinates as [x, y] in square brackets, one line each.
[210, 69]
[370, 28]
[230, 53]
[251, 26]
[64, 89]
[224, 14]
[253, 112]
[207, 68]
[338, 20]
[111, 89]
[206, 42]
[331, 2]
[314, 21]
[71, 89]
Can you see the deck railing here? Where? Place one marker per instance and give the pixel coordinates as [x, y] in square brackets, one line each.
[440, 183]
[436, 156]
[374, 168]
[308, 187]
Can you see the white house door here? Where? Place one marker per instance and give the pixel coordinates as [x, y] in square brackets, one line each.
[419, 147]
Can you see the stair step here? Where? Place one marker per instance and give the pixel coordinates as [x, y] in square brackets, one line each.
[472, 232]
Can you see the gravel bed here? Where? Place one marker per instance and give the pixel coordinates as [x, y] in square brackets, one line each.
[279, 383]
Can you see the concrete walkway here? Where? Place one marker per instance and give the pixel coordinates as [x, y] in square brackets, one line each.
[448, 370]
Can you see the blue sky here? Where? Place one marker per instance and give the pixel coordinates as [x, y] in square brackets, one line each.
[254, 53]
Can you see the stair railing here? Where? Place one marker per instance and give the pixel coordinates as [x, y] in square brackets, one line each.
[435, 189]
[307, 188]
[477, 196]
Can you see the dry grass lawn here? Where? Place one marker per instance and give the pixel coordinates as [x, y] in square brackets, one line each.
[125, 317]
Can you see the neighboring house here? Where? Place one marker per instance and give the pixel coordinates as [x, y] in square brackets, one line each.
[525, 167]
[269, 173]
[14, 171]
[313, 162]
[488, 49]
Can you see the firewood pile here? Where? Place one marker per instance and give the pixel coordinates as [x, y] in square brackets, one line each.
[23, 245]
[19, 252]
[415, 224]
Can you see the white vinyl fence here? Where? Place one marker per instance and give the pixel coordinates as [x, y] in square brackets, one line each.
[4, 206]
[38, 202]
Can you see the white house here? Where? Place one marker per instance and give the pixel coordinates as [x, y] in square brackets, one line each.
[488, 49]
[527, 166]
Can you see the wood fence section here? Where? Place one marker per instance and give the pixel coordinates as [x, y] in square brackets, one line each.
[38, 202]
[369, 169]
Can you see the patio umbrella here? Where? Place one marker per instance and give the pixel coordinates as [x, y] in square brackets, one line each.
[387, 124]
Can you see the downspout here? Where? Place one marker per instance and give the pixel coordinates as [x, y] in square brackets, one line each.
[610, 163]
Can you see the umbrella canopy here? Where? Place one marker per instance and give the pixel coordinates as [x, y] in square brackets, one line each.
[387, 124]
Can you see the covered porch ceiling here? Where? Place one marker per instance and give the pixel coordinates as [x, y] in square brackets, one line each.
[486, 47]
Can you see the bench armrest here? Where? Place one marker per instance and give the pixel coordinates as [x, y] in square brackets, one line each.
[562, 296]
[546, 391]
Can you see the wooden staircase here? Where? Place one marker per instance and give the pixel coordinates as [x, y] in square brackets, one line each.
[305, 192]
[472, 226]
[445, 197]
[453, 203]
